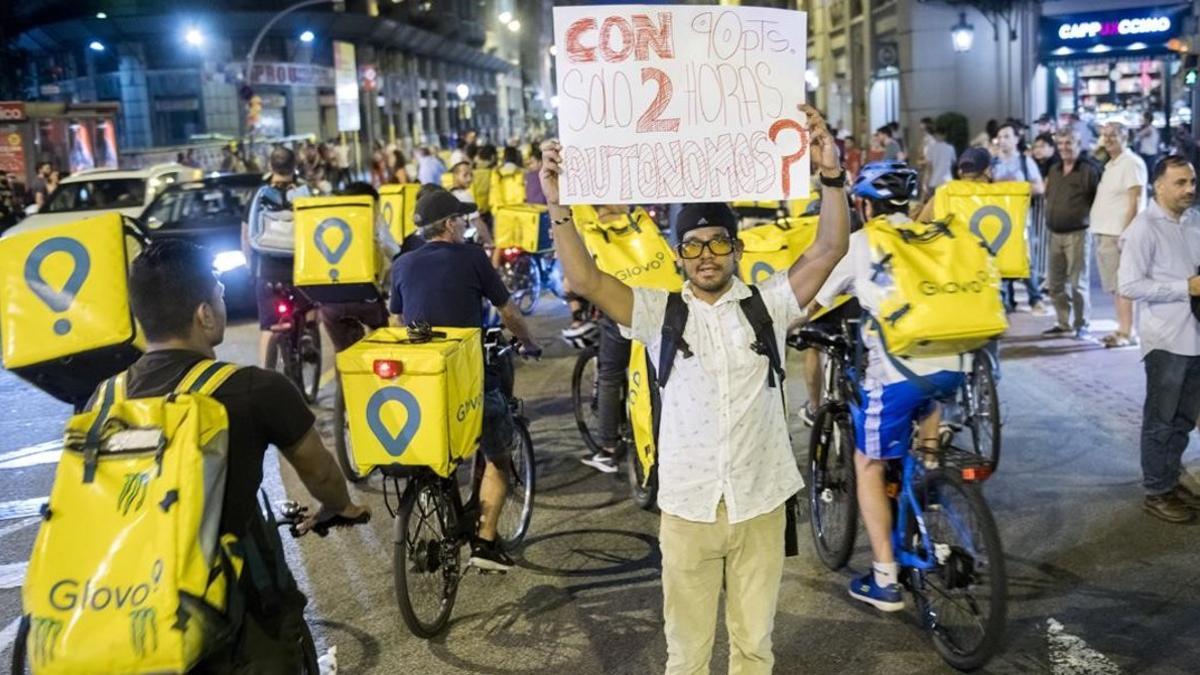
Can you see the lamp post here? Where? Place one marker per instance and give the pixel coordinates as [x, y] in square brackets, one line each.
[962, 34]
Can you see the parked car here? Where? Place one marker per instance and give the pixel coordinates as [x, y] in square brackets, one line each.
[95, 191]
[210, 212]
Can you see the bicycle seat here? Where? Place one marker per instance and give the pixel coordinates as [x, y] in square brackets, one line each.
[818, 336]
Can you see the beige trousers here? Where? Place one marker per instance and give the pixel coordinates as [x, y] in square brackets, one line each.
[699, 559]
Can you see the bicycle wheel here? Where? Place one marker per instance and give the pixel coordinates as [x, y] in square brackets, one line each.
[963, 601]
[532, 292]
[984, 410]
[518, 504]
[425, 562]
[832, 501]
[585, 385]
[308, 362]
[341, 438]
[643, 488]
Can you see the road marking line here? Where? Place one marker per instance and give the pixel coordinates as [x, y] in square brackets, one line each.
[17, 527]
[21, 508]
[30, 450]
[1070, 655]
[33, 459]
[9, 634]
[12, 575]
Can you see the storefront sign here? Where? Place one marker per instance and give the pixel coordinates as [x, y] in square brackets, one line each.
[12, 111]
[1150, 26]
[288, 74]
[12, 150]
[346, 86]
[669, 104]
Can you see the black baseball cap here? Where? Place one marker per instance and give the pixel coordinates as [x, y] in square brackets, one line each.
[706, 214]
[435, 203]
[974, 160]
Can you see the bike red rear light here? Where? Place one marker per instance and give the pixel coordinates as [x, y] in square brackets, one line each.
[388, 369]
[283, 309]
[511, 254]
[976, 473]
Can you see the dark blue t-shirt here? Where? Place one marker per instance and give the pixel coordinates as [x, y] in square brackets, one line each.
[444, 284]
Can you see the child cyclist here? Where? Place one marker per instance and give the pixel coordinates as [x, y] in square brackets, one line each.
[888, 399]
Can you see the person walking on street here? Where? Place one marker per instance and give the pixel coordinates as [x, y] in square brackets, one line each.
[1120, 196]
[940, 157]
[725, 462]
[1070, 190]
[888, 145]
[1159, 258]
[1011, 164]
[1148, 141]
[429, 167]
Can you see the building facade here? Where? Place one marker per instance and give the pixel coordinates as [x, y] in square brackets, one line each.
[408, 73]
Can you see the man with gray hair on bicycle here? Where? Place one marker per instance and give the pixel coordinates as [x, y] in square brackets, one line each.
[725, 461]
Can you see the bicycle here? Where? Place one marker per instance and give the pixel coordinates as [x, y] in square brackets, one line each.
[980, 402]
[295, 347]
[527, 275]
[433, 520]
[945, 538]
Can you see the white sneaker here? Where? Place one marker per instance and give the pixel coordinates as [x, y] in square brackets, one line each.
[601, 461]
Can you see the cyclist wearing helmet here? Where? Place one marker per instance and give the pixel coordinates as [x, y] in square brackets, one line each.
[887, 400]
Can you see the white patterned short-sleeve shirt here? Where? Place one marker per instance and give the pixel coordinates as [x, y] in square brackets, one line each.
[724, 432]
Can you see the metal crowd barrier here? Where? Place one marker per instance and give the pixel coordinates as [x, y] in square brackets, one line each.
[1039, 238]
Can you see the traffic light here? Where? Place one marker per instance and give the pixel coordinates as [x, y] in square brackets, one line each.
[1191, 73]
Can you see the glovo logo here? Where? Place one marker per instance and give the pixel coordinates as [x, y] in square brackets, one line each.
[397, 444]
[60, 300]
[975, 285]
[760, 272]
[68, 594]
[631, 272]
[468, 406]
[992, 211]
[333, 255]
[388, 213]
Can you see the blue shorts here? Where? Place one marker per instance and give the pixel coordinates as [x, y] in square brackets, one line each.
[883, 424]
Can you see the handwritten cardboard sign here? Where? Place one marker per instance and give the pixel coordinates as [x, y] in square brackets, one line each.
[662, 104]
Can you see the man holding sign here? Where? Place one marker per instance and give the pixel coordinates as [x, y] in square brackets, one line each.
[725, 459]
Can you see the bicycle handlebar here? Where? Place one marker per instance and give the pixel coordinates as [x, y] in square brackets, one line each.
[292, 514]
[814, 337]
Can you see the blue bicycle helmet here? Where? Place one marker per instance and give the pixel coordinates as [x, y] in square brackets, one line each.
[892, 182]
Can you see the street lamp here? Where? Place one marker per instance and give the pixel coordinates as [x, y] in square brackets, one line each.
[463, 91]
[101, 15]
[96, 46]
[553, 50]
[194, 37]
[506, 17]
[307, 36]
[514, 25]
[962, 34]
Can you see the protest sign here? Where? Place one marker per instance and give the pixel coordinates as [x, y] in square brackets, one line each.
[661, 104]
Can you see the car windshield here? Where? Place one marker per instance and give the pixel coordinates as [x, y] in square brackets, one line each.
[90, 195]
[177, 208]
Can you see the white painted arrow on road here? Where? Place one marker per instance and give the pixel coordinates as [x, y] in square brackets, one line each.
[1070, 655]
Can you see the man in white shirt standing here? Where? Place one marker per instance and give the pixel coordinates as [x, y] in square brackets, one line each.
[725, 460]
[1160, 255]
[1120, 196]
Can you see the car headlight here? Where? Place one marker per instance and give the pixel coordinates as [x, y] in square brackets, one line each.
[227, 261]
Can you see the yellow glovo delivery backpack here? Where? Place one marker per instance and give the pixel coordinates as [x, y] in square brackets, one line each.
[65, 320]
[335, 248]
[940, 293]
[523, 226]
[773, 247]
[396, 204]
[417, 397]
[994, 212]
[129, 573]
[633, 250]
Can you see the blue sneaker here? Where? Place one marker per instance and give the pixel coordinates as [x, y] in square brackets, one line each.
[889, 598]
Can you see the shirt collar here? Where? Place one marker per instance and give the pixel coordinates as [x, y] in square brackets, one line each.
[737, 292]
[1159, 213]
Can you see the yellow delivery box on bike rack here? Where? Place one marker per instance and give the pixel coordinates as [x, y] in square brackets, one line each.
[413, 400]
[773, 247]
[994, 212]
[396, 205]
[523, 226]
[335, 248]
[65, 319]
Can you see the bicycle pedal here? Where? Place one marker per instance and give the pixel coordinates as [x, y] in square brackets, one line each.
[489, 572]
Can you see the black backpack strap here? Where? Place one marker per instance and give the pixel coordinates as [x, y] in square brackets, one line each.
[674, 320]
[755, 311]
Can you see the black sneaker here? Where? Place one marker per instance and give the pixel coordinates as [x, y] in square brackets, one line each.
[1057, 331]
[488, 555]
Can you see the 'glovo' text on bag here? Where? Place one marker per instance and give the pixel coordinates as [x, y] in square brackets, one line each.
[976, 285]
[69, 594]
[660, 259]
